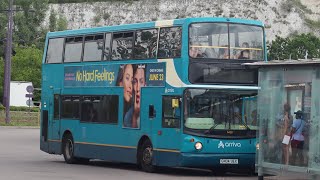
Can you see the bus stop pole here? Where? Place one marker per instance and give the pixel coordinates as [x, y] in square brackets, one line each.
[260, 168]
[7, 70]
[260, 151]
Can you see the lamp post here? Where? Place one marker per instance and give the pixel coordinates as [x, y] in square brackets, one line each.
[7, 66]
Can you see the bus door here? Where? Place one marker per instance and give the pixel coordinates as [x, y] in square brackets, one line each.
[168, 138]
[54, 116]
[164, 118]
[44, 145]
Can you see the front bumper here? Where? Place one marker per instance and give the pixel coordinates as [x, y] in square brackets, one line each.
[213, 160]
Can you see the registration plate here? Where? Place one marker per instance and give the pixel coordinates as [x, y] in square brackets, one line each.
[229, 161]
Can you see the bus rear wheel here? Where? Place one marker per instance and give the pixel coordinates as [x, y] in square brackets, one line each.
[146, 157]
[68, 149]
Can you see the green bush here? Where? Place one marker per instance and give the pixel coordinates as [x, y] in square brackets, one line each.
[295, 47]
[2, 107]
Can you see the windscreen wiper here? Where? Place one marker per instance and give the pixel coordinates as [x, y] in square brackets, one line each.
[245, 124]
[209, 131]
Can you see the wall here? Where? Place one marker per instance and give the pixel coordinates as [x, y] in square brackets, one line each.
[281, 17]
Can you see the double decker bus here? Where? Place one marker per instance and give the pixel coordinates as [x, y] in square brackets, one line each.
[166, 93]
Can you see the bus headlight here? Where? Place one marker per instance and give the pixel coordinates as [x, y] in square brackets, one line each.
[198, 145]
[257, 146]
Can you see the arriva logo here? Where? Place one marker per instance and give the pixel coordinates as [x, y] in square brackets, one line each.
[229, 144]
[221, 145]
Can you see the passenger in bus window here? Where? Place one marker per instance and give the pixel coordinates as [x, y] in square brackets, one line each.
[245, 45]
[195, 52]
[224, 53]
[210, 53]
[245, 53]
[125, 77]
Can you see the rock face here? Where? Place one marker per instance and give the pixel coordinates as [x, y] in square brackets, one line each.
[281, 17]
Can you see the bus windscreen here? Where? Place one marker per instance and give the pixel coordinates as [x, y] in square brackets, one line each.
[218, 112]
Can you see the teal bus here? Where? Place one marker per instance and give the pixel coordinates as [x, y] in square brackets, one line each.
[169, 93]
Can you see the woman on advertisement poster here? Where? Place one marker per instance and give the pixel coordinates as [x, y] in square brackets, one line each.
[132, 92]
[132, 117]
[125, 78]
[139, 80]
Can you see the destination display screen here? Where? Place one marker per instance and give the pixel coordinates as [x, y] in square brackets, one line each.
[221, 73]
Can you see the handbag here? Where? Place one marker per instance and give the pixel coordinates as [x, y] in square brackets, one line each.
[286, 139]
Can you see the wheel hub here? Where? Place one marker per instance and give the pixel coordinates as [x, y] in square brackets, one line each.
[69, 148]
[147, 155]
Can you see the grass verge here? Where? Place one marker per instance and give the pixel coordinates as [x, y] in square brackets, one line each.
[21, 118]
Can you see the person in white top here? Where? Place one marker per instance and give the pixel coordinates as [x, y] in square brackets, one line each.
[297, 141]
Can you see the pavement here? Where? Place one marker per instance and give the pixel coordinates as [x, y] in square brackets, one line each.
[283, 178]
[292, 176]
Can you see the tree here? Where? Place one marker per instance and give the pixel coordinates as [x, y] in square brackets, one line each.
[62, 23]
[3, 27]
[55, 24]
[26, 66]
[295, 47]
[96, 19]
[305, 43]
[106, 17]
[1, 78]
[52, 20]
[28, 29]
[27, 25]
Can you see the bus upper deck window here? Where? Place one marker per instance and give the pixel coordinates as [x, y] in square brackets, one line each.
[107, 47]
[170, 42]
[93, 47]
[122, 46]
[55, 50]
[145, 44]
[73, 49]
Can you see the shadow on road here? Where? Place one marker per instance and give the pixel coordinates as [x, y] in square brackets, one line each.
[167, 170]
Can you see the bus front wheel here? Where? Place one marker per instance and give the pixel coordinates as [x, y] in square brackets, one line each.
[146, 157]
[68, 149]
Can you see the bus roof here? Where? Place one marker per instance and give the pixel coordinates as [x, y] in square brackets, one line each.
[152, 24]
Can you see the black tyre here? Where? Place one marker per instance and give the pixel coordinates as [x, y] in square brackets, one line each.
[68, 149]
[146, 157]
